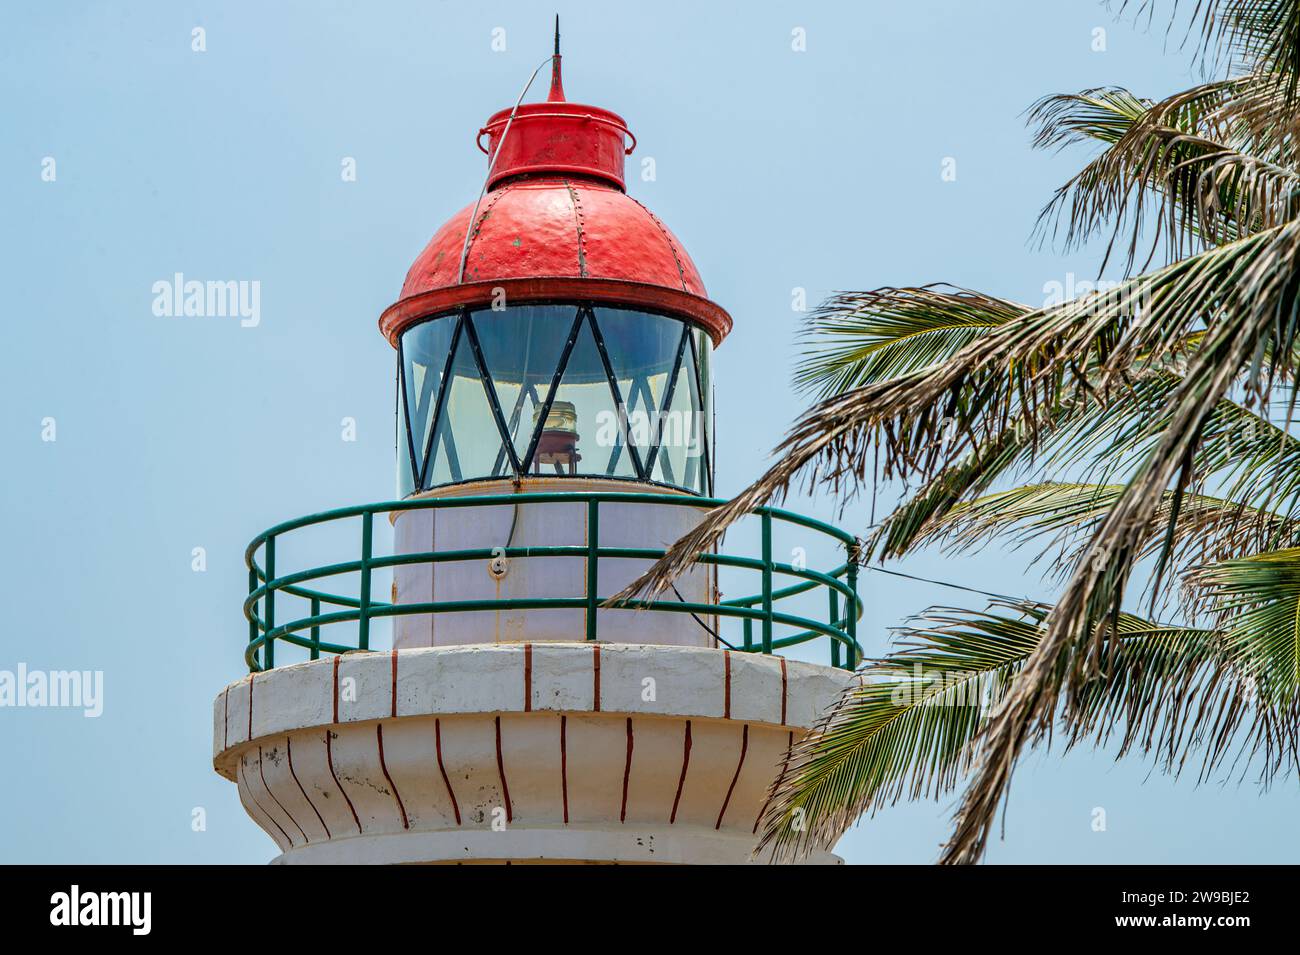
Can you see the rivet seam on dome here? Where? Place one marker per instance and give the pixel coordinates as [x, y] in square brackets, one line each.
[478, 226]
[577, 218]
[681, 273]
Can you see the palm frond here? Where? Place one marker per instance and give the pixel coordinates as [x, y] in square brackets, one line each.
[899, 531]
[1180, 161]
[1257, 600]
[1256, 463]
[1206, 528]
[1117, 429]
[1170, 692]
[1263, 35]
[856, 338]
[929, 419]
[908, 728]
[904, 729]
[1258, 35]
[1243, 295]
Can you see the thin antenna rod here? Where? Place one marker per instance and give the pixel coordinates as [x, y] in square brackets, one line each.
[557, 85]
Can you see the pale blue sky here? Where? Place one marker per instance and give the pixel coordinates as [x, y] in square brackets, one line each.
[777, 169]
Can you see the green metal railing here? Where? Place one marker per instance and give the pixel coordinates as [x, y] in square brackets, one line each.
[844, 607]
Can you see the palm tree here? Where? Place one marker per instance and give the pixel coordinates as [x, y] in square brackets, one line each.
[1159, 390]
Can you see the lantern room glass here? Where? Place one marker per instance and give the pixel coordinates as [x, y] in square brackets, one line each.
[554, 390]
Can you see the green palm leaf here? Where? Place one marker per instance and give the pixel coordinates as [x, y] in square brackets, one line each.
[856, 338]
[1257, 600]
[1262, 33]
[1206, 528]
[1181, 161]
[907, 729]
[1244, 292]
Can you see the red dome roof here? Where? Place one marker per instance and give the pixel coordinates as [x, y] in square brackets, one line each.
[575, 228]
[555, 224]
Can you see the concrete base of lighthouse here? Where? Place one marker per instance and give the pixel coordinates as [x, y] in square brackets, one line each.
[538, 752]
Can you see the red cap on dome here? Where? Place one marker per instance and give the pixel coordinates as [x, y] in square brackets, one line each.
[556, 136]
[555, 224]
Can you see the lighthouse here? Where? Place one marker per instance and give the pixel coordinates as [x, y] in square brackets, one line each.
[444, 677]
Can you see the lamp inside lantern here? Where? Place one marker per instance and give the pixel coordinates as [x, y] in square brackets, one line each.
[558, 444]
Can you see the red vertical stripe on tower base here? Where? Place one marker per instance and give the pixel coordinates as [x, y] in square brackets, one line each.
[627, 772]
[437, 741]
[501, 771]
[276, 799]
[564, 766]
[681, 781]
[260, 809]
[336, 689]
[528, 677]
[726, 701]
[329, 758]
[744, 746]
[288, 747]
[379, 735]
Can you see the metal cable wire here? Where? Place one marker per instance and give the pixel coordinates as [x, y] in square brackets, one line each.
[469, 226]
[709, 630]
[944, 583]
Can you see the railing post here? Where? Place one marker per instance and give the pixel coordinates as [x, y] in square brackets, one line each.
[253, 614]
[593, 563]
[363, 617]
[268, 650]
[749, 633]
[767, 581]
[315, 630]
[835, 622]
[851, 614]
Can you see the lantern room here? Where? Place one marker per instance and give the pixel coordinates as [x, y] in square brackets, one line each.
[555, 327]
[558, 389]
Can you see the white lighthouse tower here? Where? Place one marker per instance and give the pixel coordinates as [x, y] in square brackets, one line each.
[555, 434]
